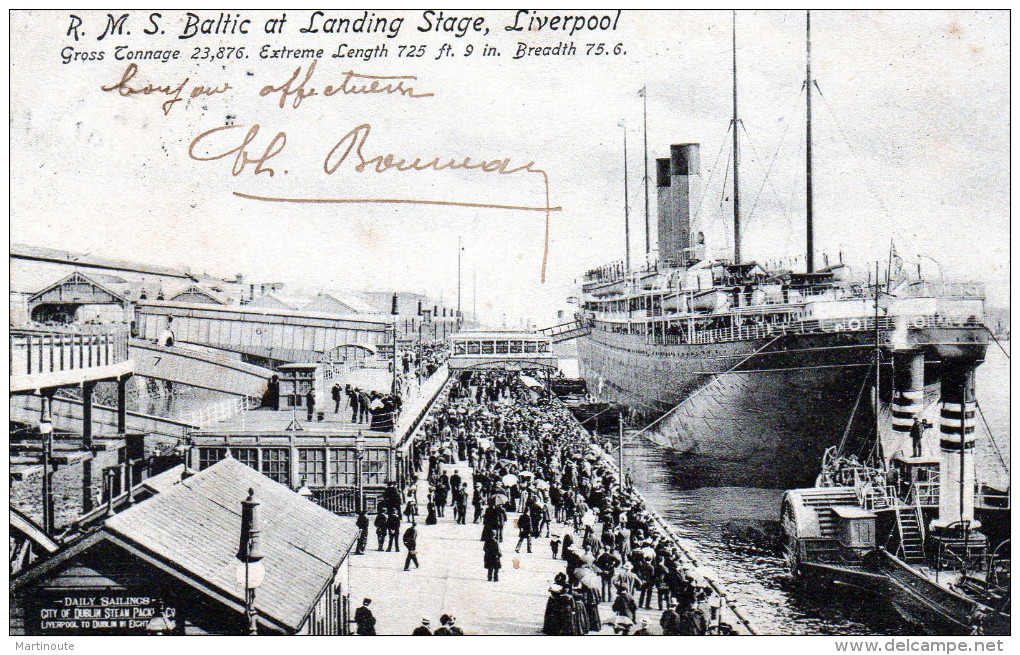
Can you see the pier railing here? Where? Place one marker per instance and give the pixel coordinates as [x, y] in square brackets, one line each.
[222, 411]
[694, 565]
[40, 351]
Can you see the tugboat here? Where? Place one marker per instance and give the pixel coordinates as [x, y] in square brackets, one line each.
[910, 528]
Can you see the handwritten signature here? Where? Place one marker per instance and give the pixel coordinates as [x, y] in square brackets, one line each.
[351, 84]
[350, 150]
[170, 91]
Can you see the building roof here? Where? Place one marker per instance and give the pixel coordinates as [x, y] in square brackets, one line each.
[87, 260]
[195, 526]
[348, 300]
[499, 334]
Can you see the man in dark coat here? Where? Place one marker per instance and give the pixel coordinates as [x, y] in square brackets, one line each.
[364, 618]
[310, 402]
[444, 626]
[354, 401]
[380, 528]
[493, 557]
[335, 393]
[393, 530]
[670, 622]
[362, 524]
[605, 565]
[524, 526]
[411, 544]
[422, 629]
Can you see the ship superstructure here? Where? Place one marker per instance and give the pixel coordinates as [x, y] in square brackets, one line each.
[754, 369]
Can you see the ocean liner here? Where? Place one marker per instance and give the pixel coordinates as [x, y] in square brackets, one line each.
[750, 372]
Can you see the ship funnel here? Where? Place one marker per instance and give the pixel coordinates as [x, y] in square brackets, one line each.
[957, 437]
[675, 201]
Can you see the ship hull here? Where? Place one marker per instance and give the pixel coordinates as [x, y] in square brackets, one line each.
[753, 413]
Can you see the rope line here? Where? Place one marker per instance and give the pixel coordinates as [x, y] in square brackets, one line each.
[991, 437]
[709, 383]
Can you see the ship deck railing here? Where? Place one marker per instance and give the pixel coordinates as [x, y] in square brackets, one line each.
[755, 332]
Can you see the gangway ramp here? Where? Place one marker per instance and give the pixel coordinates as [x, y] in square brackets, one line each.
[565, 331]
[205, 369]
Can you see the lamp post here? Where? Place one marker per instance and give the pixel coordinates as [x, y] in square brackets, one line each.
[250, 572]
[359, 456]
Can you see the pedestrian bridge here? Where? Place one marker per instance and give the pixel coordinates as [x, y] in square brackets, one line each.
[46, 358]
[275, 335]
[205, 369]
[514, 351]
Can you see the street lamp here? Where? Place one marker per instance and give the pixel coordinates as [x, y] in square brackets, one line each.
[250, 572]
[359, 455]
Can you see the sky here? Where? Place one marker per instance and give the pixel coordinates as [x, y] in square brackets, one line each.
[911, 148]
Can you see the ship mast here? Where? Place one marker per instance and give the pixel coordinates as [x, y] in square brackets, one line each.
[736, 155]
[810, 217]
[648, 236]
[626, 201]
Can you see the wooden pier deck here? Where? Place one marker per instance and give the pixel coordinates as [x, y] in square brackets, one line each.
[452, 580]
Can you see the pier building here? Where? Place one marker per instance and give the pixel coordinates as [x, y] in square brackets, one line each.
[170, 564]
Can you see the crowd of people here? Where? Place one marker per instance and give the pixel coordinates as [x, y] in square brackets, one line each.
[377, 410]
[533, 466]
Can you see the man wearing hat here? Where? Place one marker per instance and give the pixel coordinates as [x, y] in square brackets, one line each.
[643, 630]
[422, 629]
[624, 577]
[444, 626]
[364, 618]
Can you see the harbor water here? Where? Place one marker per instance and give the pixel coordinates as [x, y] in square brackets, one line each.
[736, 530]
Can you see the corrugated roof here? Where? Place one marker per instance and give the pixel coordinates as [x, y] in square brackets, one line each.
[196, 523]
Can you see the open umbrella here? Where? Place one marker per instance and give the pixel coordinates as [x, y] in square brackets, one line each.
[509, 479]
[588, 519]
[648, 552]
[586, 577]
[526, 474]
[500, 499]
[542, 484]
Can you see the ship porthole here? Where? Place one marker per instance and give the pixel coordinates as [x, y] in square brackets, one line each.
[854, 324]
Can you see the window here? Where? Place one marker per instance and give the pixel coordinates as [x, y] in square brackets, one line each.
[312, 466]
[209, 456]
[458, 348]
[543, 347]
[248, 456]
[516, 347]
[530, 347]
[487, 347]
[473, 348]
[341, 467]
[276, 464]
[374, 466]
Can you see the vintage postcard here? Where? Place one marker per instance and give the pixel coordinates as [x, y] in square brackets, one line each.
[511, 322]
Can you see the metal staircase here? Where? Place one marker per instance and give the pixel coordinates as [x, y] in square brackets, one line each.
[911, 534]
